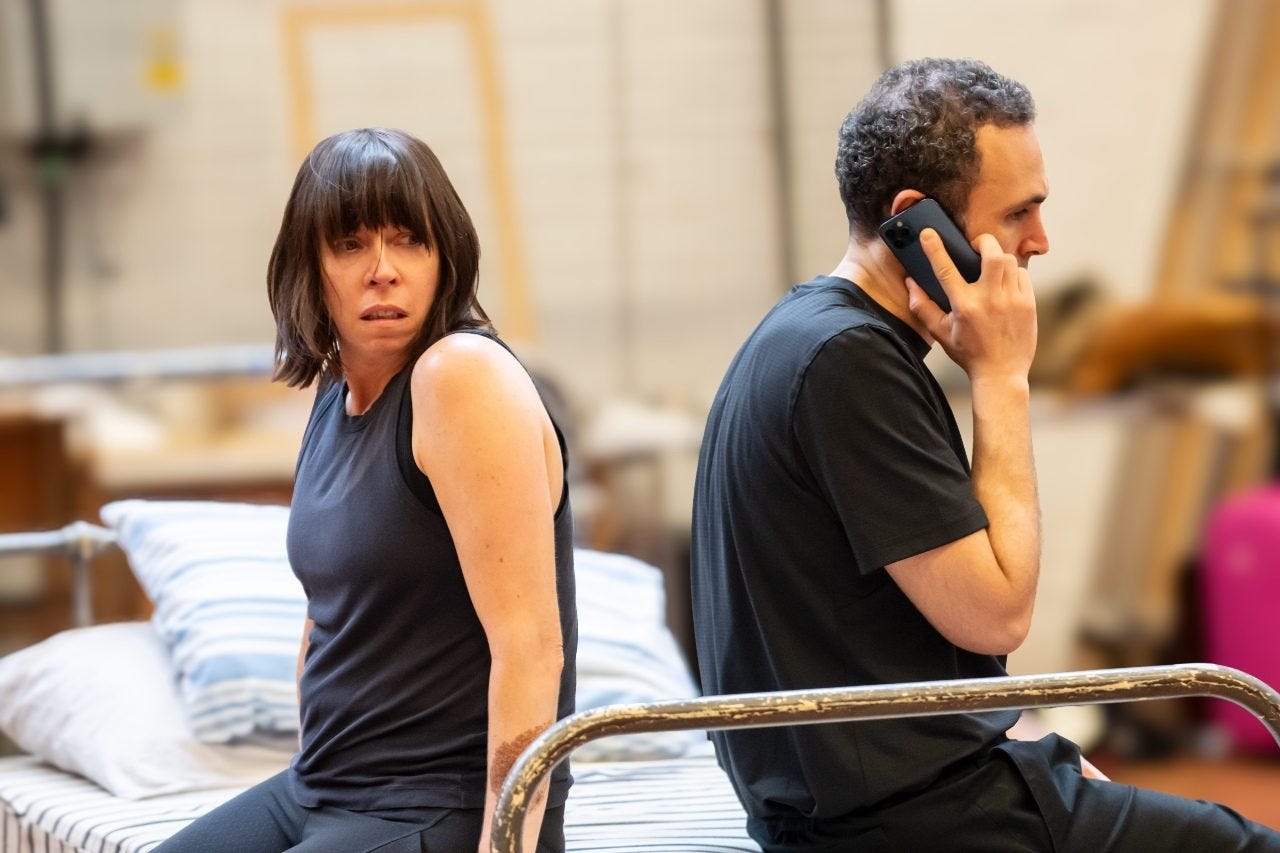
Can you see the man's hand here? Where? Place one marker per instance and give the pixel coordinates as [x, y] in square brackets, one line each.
[991, 330]
[1090, 772]
[1028, 727]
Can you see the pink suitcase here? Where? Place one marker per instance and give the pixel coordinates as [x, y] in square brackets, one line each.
[1240, 589]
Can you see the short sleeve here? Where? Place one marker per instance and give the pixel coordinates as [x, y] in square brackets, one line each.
[882, 445]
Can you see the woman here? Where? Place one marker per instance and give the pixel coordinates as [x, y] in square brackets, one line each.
[430, 526]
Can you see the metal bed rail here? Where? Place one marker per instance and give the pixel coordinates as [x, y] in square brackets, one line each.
[177, 363]
[80, 542]
[919, 699]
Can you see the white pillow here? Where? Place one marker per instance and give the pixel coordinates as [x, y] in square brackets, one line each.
[227, 606]
[627, 654]
[102, 702]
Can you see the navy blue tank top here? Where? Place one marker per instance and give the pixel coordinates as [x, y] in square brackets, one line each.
[394, 687]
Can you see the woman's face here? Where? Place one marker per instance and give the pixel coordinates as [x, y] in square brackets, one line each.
[378, 288]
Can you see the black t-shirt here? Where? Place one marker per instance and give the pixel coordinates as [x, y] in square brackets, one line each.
[395, 686]
[829, 452]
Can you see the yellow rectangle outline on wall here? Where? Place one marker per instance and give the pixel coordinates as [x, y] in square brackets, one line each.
[299, 21]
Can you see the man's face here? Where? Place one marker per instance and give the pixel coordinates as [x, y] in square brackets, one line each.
[1005, 201]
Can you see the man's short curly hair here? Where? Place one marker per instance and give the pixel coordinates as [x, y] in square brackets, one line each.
[916, 129]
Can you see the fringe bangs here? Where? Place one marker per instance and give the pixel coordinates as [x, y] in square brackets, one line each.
[363, 180]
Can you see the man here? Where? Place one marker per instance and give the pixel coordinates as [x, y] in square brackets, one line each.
[840, 536]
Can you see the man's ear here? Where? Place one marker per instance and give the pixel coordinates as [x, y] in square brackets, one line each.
[903, 200]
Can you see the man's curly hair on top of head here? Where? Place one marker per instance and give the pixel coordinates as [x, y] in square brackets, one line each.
[916, 129]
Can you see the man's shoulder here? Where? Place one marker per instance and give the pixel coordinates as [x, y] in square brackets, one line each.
[823, 308]
[824, 322]
[813, 316]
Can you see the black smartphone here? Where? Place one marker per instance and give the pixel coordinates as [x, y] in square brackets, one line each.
[902, 235]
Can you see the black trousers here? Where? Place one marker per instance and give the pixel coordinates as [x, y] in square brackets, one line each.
[266, 819]
[1027, 796]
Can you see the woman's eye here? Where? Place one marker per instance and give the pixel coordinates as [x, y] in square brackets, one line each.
[346, 244]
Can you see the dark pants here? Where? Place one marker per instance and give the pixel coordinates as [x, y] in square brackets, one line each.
[1028, 796]
[266, 819]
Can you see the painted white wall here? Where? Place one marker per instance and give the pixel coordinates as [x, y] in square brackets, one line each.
[637, 138]
[647, 185]
[831, 61]
[169, 226]
[640, 140]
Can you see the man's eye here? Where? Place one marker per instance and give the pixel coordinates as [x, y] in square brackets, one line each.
[1019, 214]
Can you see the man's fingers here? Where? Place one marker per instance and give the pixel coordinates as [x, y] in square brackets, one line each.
[999, 268]
[987, 246]
[943, 268]
[926, 310]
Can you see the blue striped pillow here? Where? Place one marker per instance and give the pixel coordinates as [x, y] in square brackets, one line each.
[227, 606]
[627, 654]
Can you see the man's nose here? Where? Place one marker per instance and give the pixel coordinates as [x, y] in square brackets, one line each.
[1037, 242]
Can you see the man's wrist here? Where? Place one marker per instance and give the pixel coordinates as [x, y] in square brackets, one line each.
[1002, 383]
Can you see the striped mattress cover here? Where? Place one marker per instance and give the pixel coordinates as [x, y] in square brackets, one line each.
[675, 804]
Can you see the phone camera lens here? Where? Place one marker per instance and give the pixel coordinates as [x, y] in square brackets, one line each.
[900, 236]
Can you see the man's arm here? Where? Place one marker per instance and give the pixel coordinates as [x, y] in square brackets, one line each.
[979, 590]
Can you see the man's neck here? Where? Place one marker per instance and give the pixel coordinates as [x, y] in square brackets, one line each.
[880, 276]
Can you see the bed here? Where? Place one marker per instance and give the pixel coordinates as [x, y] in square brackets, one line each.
[131, 730]
[678, 804]
[134, 729]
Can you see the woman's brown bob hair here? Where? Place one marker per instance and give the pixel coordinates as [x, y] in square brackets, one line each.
[371, 177]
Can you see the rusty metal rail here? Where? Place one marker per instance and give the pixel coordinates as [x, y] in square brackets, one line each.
[80, 542]
[920, 699]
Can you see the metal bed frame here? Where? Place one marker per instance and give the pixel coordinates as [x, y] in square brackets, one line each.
[131, 365]
[81, 542]
[920, 699]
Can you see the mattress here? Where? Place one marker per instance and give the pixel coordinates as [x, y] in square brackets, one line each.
[677, 804]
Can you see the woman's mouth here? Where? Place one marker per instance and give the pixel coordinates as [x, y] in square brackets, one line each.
[381, 312]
